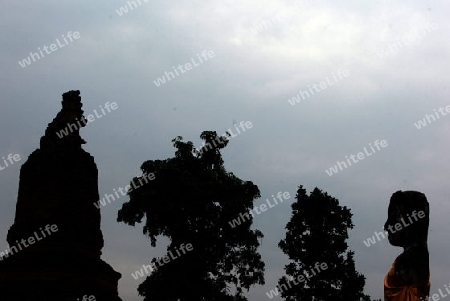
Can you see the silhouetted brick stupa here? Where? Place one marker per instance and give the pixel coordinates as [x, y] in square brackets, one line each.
[56, 241]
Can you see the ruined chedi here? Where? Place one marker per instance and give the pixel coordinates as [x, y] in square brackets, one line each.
[55, 242]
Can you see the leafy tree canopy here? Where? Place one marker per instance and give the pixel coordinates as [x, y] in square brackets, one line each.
[317, 233]
[191, 201]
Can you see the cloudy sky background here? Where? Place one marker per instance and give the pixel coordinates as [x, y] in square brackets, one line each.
[254, 72]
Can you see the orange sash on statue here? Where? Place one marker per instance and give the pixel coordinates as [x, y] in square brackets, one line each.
[396, 290]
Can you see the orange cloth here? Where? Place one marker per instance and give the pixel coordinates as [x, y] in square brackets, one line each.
[395, 289]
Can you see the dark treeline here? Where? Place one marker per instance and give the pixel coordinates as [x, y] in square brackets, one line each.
[193, 200]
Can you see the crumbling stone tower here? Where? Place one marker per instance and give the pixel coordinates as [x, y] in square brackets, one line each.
[58, 187]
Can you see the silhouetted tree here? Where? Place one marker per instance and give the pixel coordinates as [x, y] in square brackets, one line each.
[191, 201]
[316, 245]
[352, 282]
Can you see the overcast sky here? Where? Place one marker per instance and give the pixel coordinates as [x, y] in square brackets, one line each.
[264, 54]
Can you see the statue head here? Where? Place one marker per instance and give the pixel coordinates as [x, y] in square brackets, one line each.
[408, 219]
[64, 130]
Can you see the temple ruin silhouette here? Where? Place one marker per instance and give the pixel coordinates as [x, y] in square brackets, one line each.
[56, 241]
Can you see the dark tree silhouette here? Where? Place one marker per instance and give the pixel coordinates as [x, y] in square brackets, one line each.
[322, 268]
[191, 201]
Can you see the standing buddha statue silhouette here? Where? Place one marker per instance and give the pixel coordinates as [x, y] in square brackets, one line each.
[407, 227]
